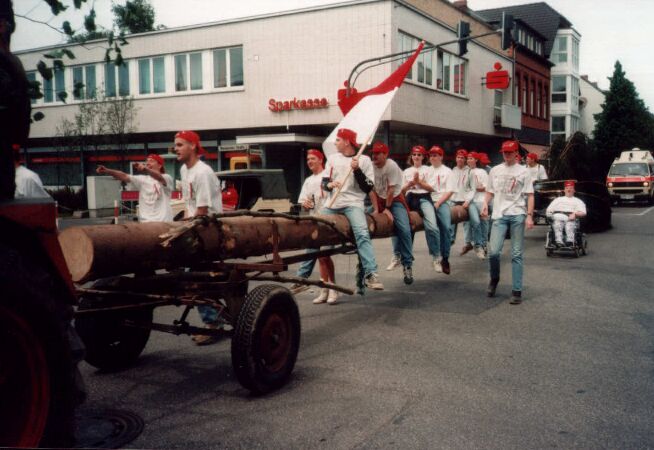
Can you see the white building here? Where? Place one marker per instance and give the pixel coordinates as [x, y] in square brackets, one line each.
[565, 91]
[590, 103]
[227, 80]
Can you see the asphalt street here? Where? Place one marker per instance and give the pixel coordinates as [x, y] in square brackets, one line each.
[431, 365]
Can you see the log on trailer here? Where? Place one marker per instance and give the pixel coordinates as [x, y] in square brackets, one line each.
[100, 251]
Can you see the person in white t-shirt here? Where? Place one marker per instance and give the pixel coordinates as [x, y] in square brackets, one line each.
[417, 188]
[475, 193]
[388, 199]
[312, 198]
[512, 192]
[564, 212]
[28, 183]
[347, 196]
[536, 170]
[155, 188]
[443, 187]
[459, 177]
[202, 196]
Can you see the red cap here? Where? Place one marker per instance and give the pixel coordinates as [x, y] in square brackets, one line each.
[157, 158]
[317, 153]
[15, 147]
[462, 152]
[193, 138]
[509, 146]
[483, 158]
[419, 149]
[348, 135]
[567, 183]
[380, 147]
[474, 155]
[533, 156]
[436, 150]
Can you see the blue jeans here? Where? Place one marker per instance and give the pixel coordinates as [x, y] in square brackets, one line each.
[444, 221]
[498, 231]
[359, 225]
[402, 242]
[432, 234]
[306, 267]
[208, 314]
[475, 225]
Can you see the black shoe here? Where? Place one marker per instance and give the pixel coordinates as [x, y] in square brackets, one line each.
[408, 275]
[569, 244]
[516, 297]
[445, 265]
[492, 287]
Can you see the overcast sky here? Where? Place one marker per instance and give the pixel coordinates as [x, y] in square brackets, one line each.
[610, 30]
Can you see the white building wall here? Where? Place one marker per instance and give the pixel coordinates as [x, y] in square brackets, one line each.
[592, 100]
[569, 69]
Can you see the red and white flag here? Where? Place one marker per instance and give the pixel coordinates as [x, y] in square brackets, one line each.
[363, 110]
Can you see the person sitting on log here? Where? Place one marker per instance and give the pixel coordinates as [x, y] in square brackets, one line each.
[347, 194]
[564, 212]
[155, 188]
[388, 199]
[443, 186]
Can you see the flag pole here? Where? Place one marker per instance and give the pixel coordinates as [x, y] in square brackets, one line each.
[359, 153]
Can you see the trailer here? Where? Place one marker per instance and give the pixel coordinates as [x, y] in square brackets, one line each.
[123, 272]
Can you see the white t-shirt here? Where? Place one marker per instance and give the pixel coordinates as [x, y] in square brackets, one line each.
[566, 204]
[28, 184]
[478, 178]
[509, 186]
[337, 169]
[154, 197]
[389, 175]
[312, 190]
[459, 182]
[424, 173]
[537, 173]
[439, 179]
[201, 187]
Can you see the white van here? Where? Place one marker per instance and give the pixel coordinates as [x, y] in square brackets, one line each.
[631, 177]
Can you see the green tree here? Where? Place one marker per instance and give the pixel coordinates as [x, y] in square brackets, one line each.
[624, 122]
[136, 16]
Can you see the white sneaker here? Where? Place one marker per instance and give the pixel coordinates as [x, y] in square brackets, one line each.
[372, 282]
[395, 262]
[332, 298]
[322, 298]
[481, 254]
[437, 265]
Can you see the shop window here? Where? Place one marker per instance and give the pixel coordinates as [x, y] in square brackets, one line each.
[116, 79]
[84, 82]
[152, 75]
[228, 61]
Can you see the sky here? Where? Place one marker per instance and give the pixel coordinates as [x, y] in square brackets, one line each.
[610, 30]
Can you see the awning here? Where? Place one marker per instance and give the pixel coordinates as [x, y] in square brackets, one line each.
[280, 138]
[540, 150]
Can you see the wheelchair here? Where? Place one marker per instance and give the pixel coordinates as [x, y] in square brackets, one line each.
[579, 244]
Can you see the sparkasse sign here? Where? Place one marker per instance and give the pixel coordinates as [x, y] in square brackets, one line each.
[287, 105]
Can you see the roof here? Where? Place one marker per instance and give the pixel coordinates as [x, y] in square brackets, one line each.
[540, 16]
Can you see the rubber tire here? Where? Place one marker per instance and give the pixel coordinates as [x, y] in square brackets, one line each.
[30, 301]
[110, 345]
[263, 306]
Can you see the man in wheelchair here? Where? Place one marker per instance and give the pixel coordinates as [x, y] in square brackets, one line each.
[564, 212]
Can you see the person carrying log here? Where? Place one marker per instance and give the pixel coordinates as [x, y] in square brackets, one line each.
[155, 188]
[347, 194]
[443, 185]
[202, 196]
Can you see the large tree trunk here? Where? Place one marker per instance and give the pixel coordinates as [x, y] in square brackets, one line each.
[99, 251]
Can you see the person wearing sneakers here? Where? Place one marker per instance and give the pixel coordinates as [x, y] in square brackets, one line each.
[477, 180]
[202, 196]
[536, 170]
[346, 197]
[564, 212]
[312, 197]
[512, 192]
[155, 188]
[460, 179]
[417, 188]
[387, 198]
[440, 179]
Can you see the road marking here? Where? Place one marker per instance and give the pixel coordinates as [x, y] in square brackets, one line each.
[635, 214]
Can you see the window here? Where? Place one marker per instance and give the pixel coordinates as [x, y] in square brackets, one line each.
[574, 125]
[55, 87]
[116, 79]
[560, 50]
[574, 93]
[497, 107]
[31, 78]
[575, 54]
[152, 76]
[559, 89]
[84, 84]
[459, 77]
[451, 72]
[546, 96]
[406, 44]
[188, 71]
[524, 95]
[532, 103]
[422, 70]
[228, 61]
[539, 92]
[558, 127]
[517, 85]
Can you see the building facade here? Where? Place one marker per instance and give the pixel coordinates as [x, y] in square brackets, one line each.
[268, 85]
[590, 103]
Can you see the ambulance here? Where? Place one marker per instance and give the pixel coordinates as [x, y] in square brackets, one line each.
[631, 177]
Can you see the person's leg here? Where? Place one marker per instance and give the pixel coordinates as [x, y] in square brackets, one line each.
[570, 226]
[474, 223]
[402, 233]
[359, 226]
[397, 257]
[557, 226]
[208, 314]
[517, 224]
[432, 234]
[498, 231]
[444, 222]
[306, 267]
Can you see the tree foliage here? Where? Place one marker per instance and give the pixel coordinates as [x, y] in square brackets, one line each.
[136, 16]
[624, 122]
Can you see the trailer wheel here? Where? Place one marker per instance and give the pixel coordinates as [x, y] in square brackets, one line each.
[110, 344]
[266, 339]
